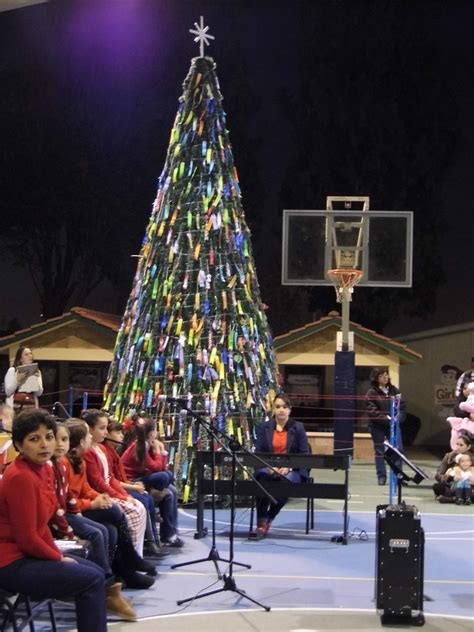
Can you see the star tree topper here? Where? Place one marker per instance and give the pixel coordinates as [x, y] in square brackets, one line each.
[202, 35]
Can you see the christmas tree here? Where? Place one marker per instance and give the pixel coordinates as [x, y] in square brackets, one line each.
[194, 326]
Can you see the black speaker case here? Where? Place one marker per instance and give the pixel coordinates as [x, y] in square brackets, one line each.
[399, 566]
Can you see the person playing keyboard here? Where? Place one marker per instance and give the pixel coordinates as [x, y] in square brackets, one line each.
[280, 435]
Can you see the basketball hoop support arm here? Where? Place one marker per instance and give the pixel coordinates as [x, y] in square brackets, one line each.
[345, 310]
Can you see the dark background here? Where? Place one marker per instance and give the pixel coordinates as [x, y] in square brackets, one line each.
[335, 97]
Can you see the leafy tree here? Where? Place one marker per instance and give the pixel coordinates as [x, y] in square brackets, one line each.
[72, 206]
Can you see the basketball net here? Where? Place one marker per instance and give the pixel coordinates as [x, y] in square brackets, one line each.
[344, 280]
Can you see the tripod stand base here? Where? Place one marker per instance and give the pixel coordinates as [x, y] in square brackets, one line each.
[212, 557]
[229, 584]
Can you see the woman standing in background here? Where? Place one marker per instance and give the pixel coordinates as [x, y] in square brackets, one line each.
[23, 386]
[378, 408]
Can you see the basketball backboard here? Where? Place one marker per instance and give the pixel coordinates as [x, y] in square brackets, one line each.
[378, 243]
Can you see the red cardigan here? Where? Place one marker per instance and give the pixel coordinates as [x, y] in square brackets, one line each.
[115, 464]
[58, 524]
[153, 462]
[96, 478]
[27, 502]
[81, 493]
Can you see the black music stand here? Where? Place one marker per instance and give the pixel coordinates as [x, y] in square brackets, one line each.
[394, 458]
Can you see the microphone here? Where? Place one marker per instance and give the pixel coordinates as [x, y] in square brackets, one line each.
[58, 405]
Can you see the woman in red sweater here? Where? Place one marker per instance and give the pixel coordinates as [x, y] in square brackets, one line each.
[30, 562]
[145, 460]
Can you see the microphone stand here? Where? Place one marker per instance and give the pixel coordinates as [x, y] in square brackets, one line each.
[58, 405]
[214, 555]
[228, 579]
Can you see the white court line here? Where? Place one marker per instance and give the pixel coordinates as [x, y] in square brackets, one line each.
[318, 510]
[250, 610]
[351, 502]
[193, 516]
[369, 496]
[247, 575]
[450, 539]
[371, 536]
[429, 536]
[358, 502]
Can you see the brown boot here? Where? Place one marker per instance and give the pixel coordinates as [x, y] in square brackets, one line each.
[118, 605]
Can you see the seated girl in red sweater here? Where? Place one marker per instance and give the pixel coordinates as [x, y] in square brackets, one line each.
[30, 562]
[112, 442]
[103, 481]
[98, 509]
[145, 460]
[95, 533]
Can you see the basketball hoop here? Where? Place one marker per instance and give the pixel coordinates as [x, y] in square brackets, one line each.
[344, 280]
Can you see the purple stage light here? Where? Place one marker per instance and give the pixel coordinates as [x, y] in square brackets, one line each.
[117, 40]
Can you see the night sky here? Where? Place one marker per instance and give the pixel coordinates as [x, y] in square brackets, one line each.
[105, 76]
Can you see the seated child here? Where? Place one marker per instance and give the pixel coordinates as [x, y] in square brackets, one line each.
[103, 481]
[113, 440]
[463, 475]
[463, 424]
[89, 530]
[442, 488]
[100, 508]
[145, 459]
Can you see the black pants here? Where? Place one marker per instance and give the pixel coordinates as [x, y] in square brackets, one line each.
[266, 510]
